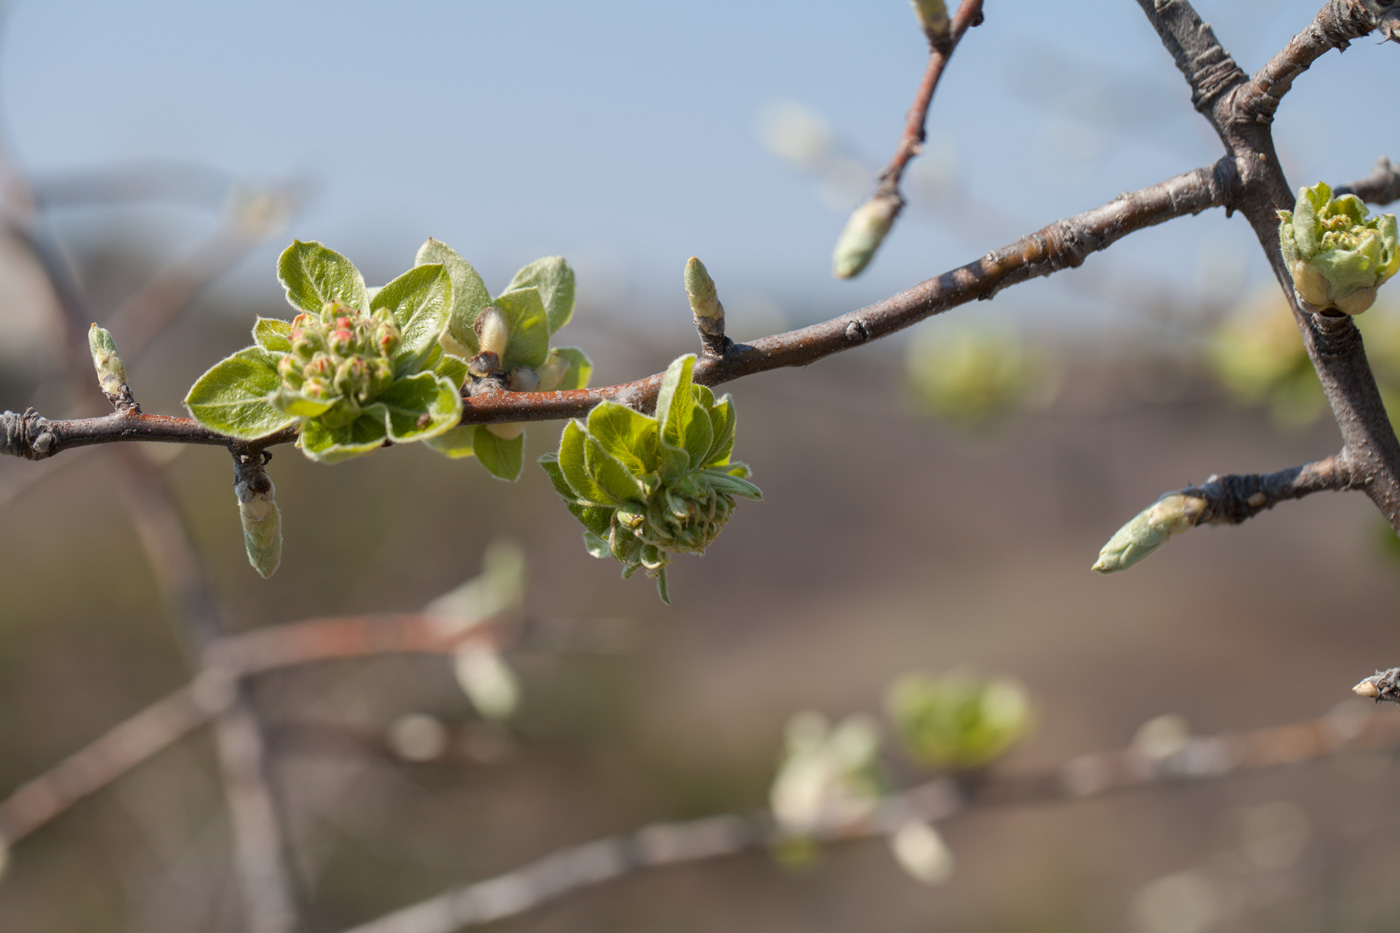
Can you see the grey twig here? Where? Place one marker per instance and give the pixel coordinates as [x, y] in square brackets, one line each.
[1194, 759]
[1234, 498]
[1381, 187]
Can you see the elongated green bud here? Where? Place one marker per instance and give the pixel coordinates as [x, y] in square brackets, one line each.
[111, 373]
[864, 232]
[258, 512]
[704, 300]
[1149, 530]
[933, 17]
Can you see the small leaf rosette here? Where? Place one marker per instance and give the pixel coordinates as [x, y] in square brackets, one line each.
[1337, 255]
[647, 488]
[351, 371]
[507, 337]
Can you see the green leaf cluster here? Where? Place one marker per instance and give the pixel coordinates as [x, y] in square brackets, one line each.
[352, 372]
[957, 721]
[646, 488]
[537, 302]
[1337, 255]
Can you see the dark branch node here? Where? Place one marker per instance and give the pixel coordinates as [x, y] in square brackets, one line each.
[27, 435]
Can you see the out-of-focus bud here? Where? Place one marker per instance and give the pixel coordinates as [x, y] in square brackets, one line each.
[257, 510]
[523, 379]
[1338, 256]
[933, 17]
[487, 681]
[921, 851]
[1149, 530]
[704, 300]
[111, 373]
[508, 431]
[864, 232]
[492, 331]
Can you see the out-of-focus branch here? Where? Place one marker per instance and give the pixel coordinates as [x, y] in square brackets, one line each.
[571, 869]
[1381, 187]
[227, 660]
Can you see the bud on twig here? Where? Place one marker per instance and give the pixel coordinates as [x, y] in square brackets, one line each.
[493, 331]
[1382, 685]
[864, 232]
[258, 512]
[933, 17]
[1338, 256]
[704, 300]
[1149, 530]
[111, 373]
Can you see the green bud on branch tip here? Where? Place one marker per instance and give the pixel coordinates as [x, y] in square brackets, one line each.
[704, 300]
[1149, 530]
[1337, 255]
[111, 373]
[863, 234]
[933, 17]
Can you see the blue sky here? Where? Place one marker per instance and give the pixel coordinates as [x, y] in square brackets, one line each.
[626, 135]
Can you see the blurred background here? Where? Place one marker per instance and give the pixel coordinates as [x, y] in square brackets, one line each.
[932, 502]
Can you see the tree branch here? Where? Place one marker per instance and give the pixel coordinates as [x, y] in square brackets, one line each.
[225, 662]
[1063, 244]
[1380, 188]
[1232, 499]
[575, 868]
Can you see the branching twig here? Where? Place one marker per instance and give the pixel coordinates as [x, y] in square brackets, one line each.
[568, 870]
[1064, 244]
[1381, 187]
[226, 661]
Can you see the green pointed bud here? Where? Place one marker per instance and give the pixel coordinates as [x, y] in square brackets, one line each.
[1149, 530]
[1337, 255]
[864, 232]
[704, 300]
[111, 373]
[933, 17]
[492, 331]
[262, 520]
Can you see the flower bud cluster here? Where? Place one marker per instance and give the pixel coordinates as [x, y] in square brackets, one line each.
[684, 518]
[1336, 254]
[341, 359]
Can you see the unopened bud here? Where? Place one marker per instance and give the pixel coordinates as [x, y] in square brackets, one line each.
[508, 431]
[864, 232]
[1337, 255]
[933, 17]
[484, 364]
[553, 370]
[704, 300]
[492, 331]
[1367, 689]
[523, 379]
[258, 512]
[111, 373]
[1149, 530]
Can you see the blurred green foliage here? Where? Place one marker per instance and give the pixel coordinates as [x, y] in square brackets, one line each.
[957, 722]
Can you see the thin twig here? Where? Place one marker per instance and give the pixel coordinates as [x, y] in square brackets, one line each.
[575, 868]
[1232, 499]
[1064, 244]
[1381, 187]
[226, 661]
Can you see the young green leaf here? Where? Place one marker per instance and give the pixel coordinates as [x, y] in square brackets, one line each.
[273, 335]
[334, 444]
[722, 421]
[575, 470]
[594, 518]
[721, 481]
[420, 407]
[576, 375]
[451, 368]
[420, 300]
[235, 396]
[314, 275]
[620, 485]
[626, 434]
[469, 294]
[529, 330]
[503, 458]
[554, 279]
[455, 443]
